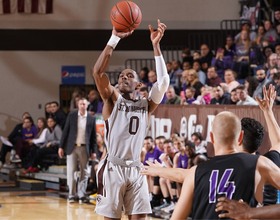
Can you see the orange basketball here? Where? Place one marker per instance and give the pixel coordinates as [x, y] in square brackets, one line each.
[126, 16]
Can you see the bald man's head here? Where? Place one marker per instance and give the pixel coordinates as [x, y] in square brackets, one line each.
[226, 128]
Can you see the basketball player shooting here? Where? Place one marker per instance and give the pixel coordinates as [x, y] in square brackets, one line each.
[120, 184]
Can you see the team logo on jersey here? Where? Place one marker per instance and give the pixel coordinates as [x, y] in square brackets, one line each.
[126, 108]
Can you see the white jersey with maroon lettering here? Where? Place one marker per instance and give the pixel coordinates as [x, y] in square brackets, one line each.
[126, 128]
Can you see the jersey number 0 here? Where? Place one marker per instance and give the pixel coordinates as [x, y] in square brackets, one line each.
[133, 125]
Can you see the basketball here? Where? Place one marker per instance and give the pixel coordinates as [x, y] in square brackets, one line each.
[126, 16]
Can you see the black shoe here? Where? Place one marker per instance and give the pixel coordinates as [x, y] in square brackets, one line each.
[155, 203]
[83, 200]
[71, 199]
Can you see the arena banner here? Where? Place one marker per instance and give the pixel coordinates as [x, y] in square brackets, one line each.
[185, 120]
[73, 75]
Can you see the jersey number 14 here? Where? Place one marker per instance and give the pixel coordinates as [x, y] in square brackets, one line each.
[223, 187]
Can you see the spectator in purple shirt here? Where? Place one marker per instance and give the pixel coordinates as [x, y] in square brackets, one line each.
[22, 146]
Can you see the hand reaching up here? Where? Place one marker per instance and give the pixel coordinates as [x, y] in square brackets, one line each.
[269, 96]
[156, 35]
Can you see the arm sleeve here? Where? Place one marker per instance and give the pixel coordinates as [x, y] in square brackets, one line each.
[41, 139]
[159, 88]
[57, 135]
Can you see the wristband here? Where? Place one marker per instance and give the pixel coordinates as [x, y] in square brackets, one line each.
[113, 41]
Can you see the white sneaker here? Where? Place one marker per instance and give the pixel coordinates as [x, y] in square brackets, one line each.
[169, 208]
[158, 208]
[15, 159]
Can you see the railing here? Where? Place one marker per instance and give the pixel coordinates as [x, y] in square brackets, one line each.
[172, 52]
[138, 64]
[231, 25]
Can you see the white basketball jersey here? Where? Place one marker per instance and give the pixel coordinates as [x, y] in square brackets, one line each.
[126, 128]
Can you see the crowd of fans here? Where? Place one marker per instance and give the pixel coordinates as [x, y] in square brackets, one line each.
[231, 74]
[30, 142]
[176, 152]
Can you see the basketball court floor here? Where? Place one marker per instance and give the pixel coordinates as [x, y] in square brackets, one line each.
[18, 204]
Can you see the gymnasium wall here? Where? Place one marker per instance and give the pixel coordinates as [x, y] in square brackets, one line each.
[185, 120]
[30, 78]
[94, 14]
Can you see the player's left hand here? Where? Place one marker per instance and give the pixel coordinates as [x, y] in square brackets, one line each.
[151, 169]
[156, 35]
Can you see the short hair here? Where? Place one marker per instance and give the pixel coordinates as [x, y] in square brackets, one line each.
[149, 138]
[167, 141]
[160, 137]
[259, 68]
[241, 87]
[197, 135]
[212, 67]
[191, 88]
[233, 72]
[29, 118]
[82, 98]
[253, 134]
[233, 90]
[54, 102]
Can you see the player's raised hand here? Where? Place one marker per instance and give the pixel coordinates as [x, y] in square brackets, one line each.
[269, 96]
[157, 34]
[121, 34]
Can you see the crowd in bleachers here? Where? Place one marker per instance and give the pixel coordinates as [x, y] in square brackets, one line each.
[218, 75]
[30, 142]
[33, 147]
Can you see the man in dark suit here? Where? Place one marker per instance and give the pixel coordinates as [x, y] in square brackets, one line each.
[79, 141]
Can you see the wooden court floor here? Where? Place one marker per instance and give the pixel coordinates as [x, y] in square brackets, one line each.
[42, 205]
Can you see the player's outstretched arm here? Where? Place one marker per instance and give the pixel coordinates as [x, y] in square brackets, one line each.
[266, 105]
[160, 87]
[98, 72]
[240, 210]
[174, 174]
[184, 205]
